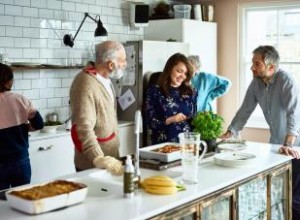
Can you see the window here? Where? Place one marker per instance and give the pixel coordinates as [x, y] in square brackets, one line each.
[276, 24]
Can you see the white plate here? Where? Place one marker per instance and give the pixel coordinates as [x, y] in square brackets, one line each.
[25, 64]
[234, 159]
[148, 153]
[232, 146]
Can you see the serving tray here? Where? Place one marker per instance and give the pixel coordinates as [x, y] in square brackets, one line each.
[148, 153]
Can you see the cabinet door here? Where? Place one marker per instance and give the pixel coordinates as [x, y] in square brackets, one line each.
[201, 36]
[279, 193]
[156, 53]
[51, 158]
[218, 207]
[190, 212]
[252, 199]
[127, 140]
[163, 30]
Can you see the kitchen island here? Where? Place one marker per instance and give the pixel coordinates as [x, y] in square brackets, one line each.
[251, 187]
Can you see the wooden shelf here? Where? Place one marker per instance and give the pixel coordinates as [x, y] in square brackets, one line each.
[44, 67]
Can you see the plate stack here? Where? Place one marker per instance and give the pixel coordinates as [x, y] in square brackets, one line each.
[233, 159]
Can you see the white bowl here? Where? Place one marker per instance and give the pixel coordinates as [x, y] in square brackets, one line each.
[50, 129]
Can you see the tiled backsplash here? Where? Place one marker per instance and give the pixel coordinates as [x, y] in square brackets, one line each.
[32, 31]
[47, 89]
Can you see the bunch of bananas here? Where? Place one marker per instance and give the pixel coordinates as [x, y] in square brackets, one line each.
[161, 185]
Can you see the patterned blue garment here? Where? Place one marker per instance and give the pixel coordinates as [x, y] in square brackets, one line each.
[159, 107]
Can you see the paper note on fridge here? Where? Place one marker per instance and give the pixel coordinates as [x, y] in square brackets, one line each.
[126, 99]
[129, 75]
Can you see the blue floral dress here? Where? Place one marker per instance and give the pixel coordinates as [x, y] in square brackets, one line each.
[158, 107]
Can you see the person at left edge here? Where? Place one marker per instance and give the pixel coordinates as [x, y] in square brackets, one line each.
[17, 117]
[93, 104]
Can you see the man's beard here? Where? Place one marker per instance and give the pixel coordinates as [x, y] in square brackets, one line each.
[116, 74]
[262, 76]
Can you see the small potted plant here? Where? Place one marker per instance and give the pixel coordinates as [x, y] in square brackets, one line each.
[162, 8]
[210, 126]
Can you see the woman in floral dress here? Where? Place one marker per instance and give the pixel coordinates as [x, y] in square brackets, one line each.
[171, 103]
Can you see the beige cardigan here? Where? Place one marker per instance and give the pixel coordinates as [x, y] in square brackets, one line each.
[93, 116]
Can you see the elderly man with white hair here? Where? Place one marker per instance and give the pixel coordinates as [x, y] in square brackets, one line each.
[93, 104]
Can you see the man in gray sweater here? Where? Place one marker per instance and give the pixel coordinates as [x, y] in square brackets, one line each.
[93, 104]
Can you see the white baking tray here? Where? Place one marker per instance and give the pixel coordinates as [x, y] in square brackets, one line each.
[148, 153]
[46, 204]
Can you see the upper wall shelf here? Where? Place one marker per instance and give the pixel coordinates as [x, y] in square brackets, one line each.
[32, 67]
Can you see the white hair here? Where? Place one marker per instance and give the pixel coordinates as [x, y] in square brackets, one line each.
[107, 51]
[195, 60]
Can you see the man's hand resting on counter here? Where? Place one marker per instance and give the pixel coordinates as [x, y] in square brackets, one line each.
[289, 151]
[110, 164]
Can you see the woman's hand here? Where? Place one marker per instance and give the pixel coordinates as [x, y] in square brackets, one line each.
[176, 118]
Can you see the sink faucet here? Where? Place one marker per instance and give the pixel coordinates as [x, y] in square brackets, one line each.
[138, 129]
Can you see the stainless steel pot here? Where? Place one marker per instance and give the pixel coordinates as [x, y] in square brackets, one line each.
[53, 117]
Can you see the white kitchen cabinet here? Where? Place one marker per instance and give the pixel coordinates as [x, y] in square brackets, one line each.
[51, 157]
[201, 36]
[155, 54]
[127, 139]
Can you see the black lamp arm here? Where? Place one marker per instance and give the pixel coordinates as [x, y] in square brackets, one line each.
[85, 16]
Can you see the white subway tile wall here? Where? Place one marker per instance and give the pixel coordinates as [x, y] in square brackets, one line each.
[32, 31]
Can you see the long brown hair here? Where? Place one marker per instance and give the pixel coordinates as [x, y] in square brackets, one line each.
[164, 80]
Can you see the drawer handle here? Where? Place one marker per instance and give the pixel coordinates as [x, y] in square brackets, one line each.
[45, 148]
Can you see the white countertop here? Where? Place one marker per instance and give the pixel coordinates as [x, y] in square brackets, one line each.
[61, 131]
[39, 135]
[125, 123]
[211, 178]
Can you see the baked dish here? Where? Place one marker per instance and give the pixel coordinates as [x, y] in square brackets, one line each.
[167, 149]
[54, 188]
[36, 199]
[164, 152]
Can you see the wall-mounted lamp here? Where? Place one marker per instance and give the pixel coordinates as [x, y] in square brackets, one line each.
[100, 30]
